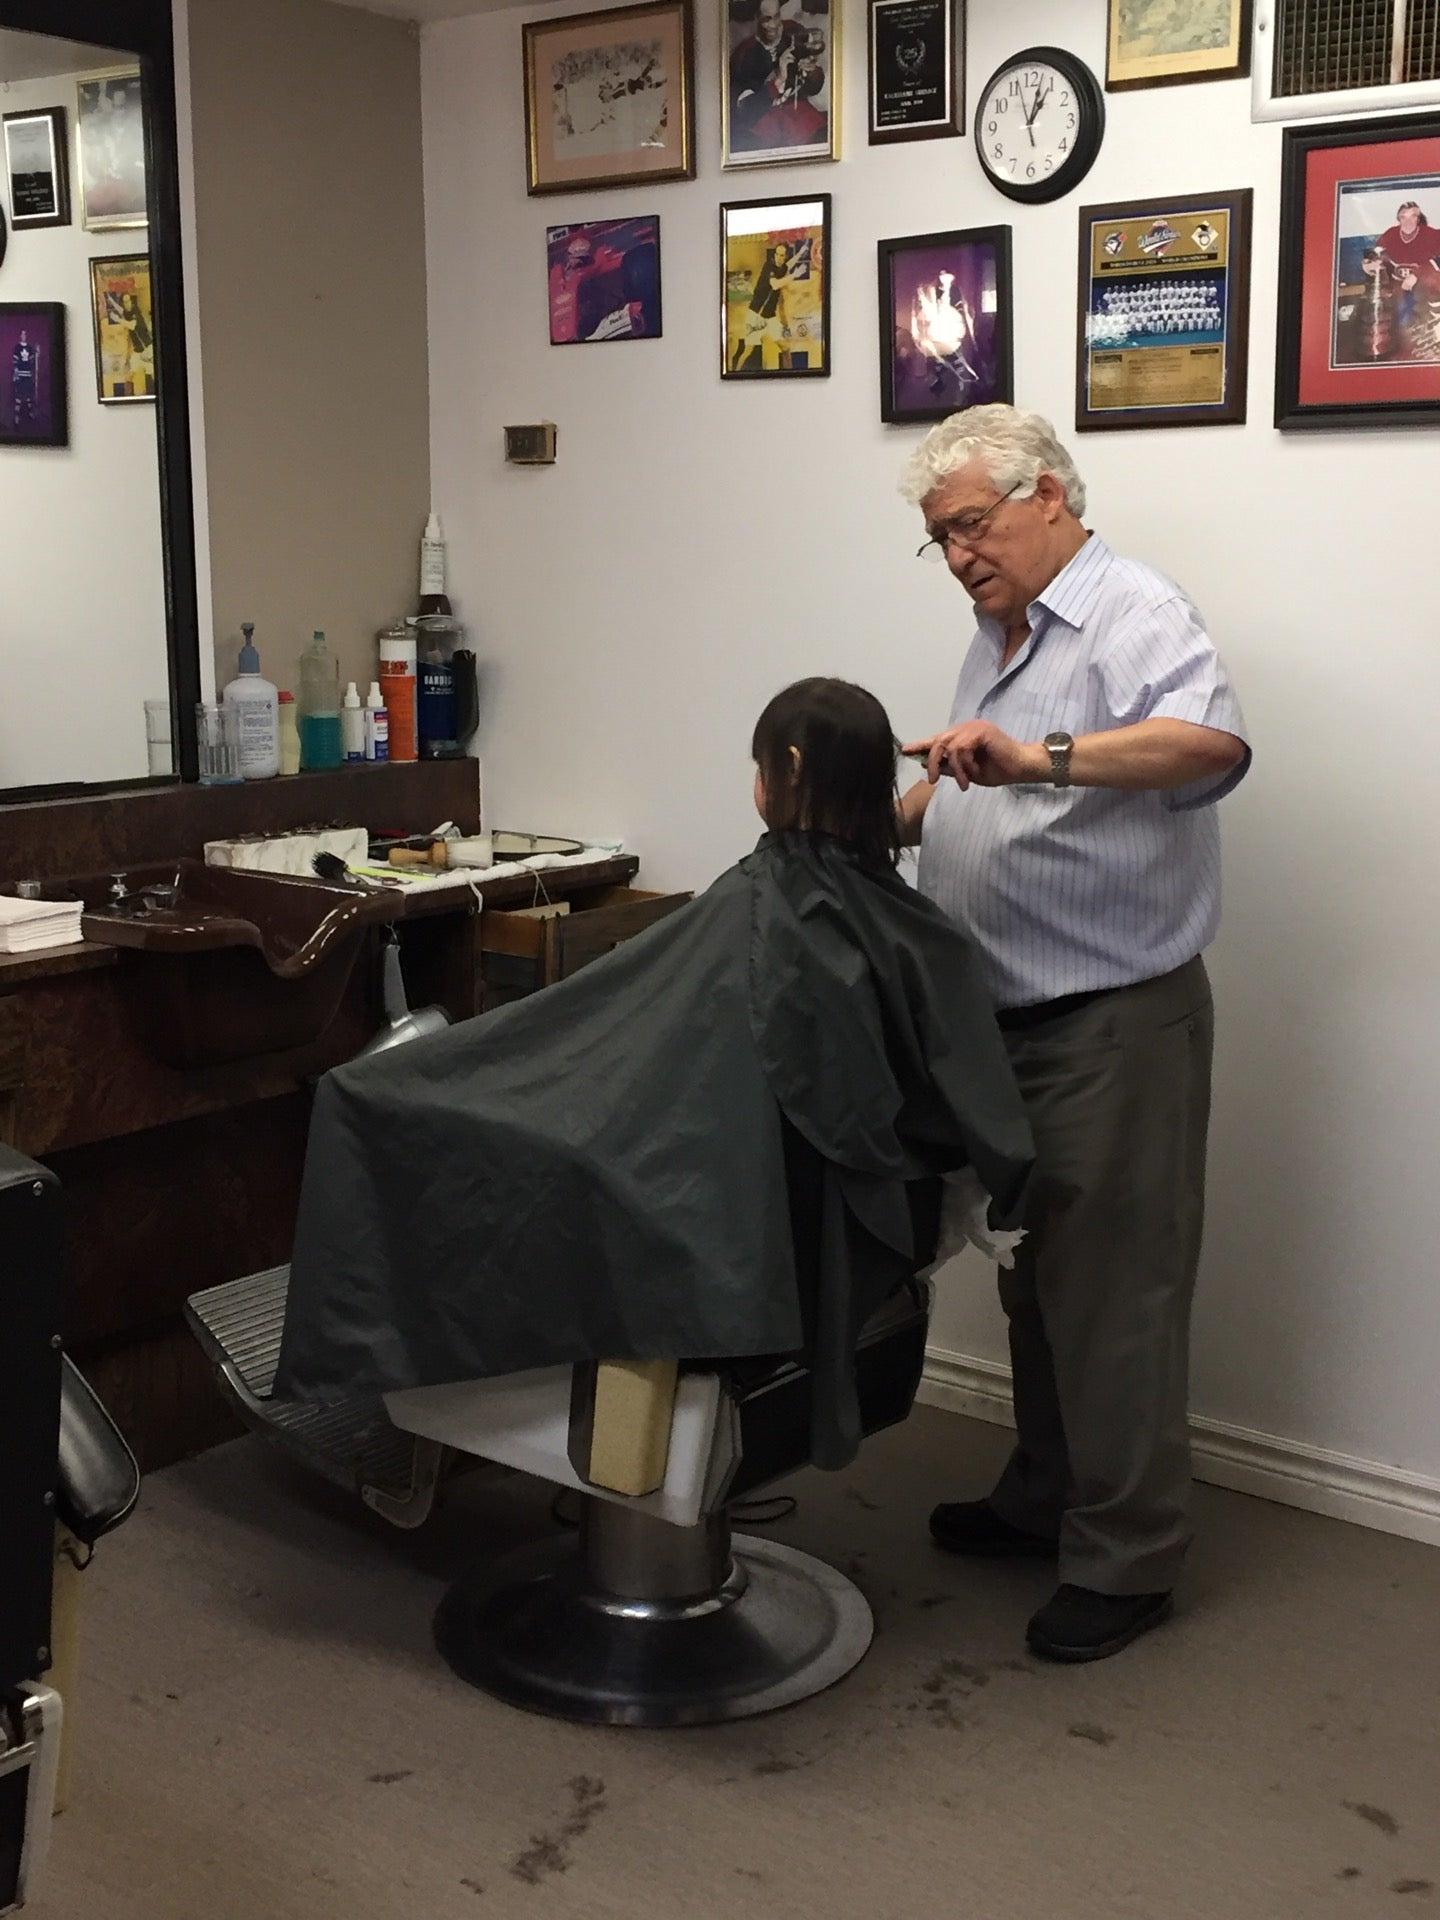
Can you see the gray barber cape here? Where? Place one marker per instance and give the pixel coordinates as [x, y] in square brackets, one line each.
[606, 1169]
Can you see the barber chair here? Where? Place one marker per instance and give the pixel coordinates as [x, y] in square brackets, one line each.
[653, 1614]
[66, 1476]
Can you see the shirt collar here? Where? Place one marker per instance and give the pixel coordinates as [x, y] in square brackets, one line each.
[1072, 594]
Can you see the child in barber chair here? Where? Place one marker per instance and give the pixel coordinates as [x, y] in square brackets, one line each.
[616, 1168]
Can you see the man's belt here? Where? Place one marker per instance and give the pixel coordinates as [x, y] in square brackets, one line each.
[1020, 1019]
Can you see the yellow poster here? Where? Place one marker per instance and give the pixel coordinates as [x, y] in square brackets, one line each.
[776, 307]
[1155, 323]
[124, 320]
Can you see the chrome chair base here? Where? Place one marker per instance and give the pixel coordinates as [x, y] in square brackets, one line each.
[643, 1624]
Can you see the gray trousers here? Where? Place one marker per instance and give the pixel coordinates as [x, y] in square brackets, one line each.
[1118, 1095]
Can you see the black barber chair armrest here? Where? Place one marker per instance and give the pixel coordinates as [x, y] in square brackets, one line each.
[99, 1479]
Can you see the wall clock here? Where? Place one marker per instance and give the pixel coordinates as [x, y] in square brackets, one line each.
[1039, 123]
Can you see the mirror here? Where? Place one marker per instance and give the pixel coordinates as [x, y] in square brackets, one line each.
[97, 618]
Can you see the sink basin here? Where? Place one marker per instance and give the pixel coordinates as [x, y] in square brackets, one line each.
[236, 963]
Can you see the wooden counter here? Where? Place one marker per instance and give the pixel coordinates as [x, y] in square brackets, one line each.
[178, 1178]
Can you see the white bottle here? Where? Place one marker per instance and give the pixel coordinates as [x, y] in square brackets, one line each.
[377, 725]
[258, 704]
[433, 598]
[352, 726]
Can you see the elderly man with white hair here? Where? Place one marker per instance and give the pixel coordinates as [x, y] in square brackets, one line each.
[1067, 822]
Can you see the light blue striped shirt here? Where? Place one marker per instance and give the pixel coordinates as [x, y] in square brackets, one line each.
[1070, 889]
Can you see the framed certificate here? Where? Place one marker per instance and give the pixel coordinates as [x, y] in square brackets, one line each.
[37, 167]
[1164, 313]
[917, 70]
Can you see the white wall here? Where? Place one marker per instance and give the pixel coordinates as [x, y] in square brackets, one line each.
[700, 544]
[82, 592]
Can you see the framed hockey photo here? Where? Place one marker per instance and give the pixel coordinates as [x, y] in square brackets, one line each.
[780, 92]
[33, 381]
[110, 140]
[1359, 320]
[609, 97]
[916, 70]
[37, 169]
[945, 323]
[1163, 335]
[775, 289]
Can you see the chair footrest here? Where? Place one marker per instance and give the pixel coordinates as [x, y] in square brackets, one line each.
[353, 1442]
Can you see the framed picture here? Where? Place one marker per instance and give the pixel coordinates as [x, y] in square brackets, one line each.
[124, 327]
[111, 144]
[1164, 312]
[775, 289]
[780, 95]
[37, 167]
[33, 385]
[609, 97]
[604, 281]
[1154, 43]
[917, 70]
[1359, 311]
[945, 323]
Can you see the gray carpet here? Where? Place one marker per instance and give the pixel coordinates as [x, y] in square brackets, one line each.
[266, 1733]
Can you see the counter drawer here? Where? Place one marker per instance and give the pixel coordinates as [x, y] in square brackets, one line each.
[520, 954]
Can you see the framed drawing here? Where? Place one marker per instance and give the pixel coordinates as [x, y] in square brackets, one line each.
[1154, 43]
[1164, 312]
[33, 384]
[37, 168]
[780, 96]
[609, 97]
[110, 139]
[917, 70]
[604, 281]
[1359, 313]
[775, 289]
[945, 323]
[124, 320]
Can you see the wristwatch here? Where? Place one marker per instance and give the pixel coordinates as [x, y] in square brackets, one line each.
[1060, 746]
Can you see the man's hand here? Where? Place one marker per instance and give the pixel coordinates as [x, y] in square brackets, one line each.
[979, 754]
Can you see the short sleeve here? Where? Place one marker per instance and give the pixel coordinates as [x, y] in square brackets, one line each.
[1163, 665]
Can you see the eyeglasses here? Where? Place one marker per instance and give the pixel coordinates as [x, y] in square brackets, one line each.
[962, 530]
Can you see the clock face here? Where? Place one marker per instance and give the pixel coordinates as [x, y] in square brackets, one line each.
[1038, 125]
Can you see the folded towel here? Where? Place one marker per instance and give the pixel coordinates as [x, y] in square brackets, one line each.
[15, 912]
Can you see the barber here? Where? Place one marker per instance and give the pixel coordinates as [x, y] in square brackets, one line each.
[1067, 821]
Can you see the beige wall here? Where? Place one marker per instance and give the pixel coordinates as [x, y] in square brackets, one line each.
[311, 261]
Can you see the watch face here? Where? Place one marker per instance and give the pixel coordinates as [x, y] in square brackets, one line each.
[1038, 125]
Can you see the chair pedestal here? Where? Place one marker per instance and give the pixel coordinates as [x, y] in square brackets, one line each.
[645, 1624]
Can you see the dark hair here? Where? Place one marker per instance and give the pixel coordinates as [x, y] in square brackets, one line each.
[844, 784]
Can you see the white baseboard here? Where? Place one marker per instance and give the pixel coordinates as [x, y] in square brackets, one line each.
[1363, 1491]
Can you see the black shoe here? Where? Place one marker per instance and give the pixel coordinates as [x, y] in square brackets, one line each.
[1078, 1624]
[974, 1527]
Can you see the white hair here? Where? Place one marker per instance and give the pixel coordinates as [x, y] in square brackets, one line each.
[1015, 446]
